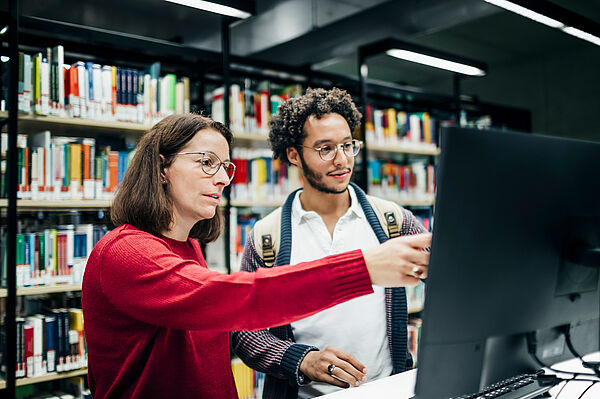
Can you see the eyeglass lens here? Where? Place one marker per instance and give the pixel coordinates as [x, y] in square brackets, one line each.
[329, 151]
[211, 164]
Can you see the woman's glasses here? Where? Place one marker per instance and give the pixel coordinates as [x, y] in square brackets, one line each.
[327, 152]
[210, 163]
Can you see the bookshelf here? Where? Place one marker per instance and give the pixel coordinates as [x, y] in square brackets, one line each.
[50, 209]
[41, 290]
[45, 378]
[51, 121]
[33, 205]
[404, 149]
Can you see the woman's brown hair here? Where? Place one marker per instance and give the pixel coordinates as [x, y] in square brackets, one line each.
[141, 199]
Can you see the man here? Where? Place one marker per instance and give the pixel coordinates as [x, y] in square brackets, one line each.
[364, 337]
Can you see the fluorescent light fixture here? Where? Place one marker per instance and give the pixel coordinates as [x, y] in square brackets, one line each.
[436, 62]
[582, 35]
[526, 12]
[214, 7]
[4, 30]
[554, 16]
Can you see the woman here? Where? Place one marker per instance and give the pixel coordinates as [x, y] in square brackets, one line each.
[157, 321]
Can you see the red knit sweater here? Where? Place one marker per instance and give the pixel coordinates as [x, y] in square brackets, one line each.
[157, 321]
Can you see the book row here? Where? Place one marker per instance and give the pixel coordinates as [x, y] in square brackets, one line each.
[48, 343]
[399, 128]
[414, 181]
[251, 105]
[65, 168]
[53, 255]
[259, 177]
[49, 86]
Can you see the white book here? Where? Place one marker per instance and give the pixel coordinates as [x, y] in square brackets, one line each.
[45, 87]
[179, 97]
[43, 140]
[97, 90]
[38, 340]
[106, 102]
[83, 88]
[60, 70]
[27, 85]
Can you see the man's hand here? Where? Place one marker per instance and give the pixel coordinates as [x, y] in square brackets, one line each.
[347, 371]
[399, 261]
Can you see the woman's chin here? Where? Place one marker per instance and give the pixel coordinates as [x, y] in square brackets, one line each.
[208, 213]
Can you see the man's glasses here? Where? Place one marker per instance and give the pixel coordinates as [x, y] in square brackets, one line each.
[210, 163]
[327, 152]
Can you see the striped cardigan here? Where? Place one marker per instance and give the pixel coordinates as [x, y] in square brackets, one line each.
[274, 351]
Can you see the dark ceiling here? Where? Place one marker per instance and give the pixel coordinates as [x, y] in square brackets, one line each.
[326, 33]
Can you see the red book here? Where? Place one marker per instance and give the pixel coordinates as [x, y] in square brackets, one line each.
[28, 330]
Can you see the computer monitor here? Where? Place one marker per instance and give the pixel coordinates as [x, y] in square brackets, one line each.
[513, 213]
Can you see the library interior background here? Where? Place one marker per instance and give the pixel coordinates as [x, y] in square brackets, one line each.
[162, 58]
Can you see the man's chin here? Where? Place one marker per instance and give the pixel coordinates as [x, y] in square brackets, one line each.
[331, 189]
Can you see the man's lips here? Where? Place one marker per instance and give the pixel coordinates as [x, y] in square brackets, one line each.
[339, 173]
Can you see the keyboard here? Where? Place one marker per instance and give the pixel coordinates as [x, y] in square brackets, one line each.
[524, 386]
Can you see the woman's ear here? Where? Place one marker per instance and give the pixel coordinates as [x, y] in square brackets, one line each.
[163, 176]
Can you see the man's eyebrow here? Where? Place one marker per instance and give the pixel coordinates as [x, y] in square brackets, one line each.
[323, 141]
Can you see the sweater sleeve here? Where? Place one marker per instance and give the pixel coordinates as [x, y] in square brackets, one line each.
[142, 277]
[262, 350]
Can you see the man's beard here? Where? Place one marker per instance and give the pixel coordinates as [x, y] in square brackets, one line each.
[314, 179]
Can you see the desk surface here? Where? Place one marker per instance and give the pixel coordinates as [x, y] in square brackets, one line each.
[402, 386]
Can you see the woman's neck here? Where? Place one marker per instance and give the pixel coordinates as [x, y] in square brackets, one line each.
[178, 230]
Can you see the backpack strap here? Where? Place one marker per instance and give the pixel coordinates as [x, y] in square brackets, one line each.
[389, 215]
[266, 236]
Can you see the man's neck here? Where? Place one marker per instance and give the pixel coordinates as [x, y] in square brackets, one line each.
[326, 205]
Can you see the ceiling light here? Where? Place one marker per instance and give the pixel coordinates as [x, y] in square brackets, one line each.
[423, 55]
[236, 11]
[582, 35]
[554, 16]
[526, 12]
[436, 62]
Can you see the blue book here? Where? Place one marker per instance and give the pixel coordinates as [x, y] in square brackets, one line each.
[50, 335]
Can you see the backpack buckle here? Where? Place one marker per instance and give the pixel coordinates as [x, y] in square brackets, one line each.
[392, 225]
[268, 253]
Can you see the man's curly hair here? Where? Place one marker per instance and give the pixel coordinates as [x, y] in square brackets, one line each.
[287, 125]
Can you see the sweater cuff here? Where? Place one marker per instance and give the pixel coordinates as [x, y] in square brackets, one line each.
[350, 277]
[290, 363]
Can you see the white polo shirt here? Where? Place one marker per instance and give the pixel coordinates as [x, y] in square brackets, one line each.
[357, 326]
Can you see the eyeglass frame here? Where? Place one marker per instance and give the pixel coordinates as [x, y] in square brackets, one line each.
[220, 164]
[337, 147]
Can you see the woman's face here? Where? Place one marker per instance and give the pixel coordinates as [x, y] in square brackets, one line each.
[195, 194]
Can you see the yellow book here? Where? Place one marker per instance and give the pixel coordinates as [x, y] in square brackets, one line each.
[37, 83]
[427, 127]
[76, 185]
[76, 319]
[390, 132]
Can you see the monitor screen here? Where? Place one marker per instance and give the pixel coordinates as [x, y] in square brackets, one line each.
[516, 215]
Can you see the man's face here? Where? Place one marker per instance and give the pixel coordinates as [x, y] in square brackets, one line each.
[327, 176]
